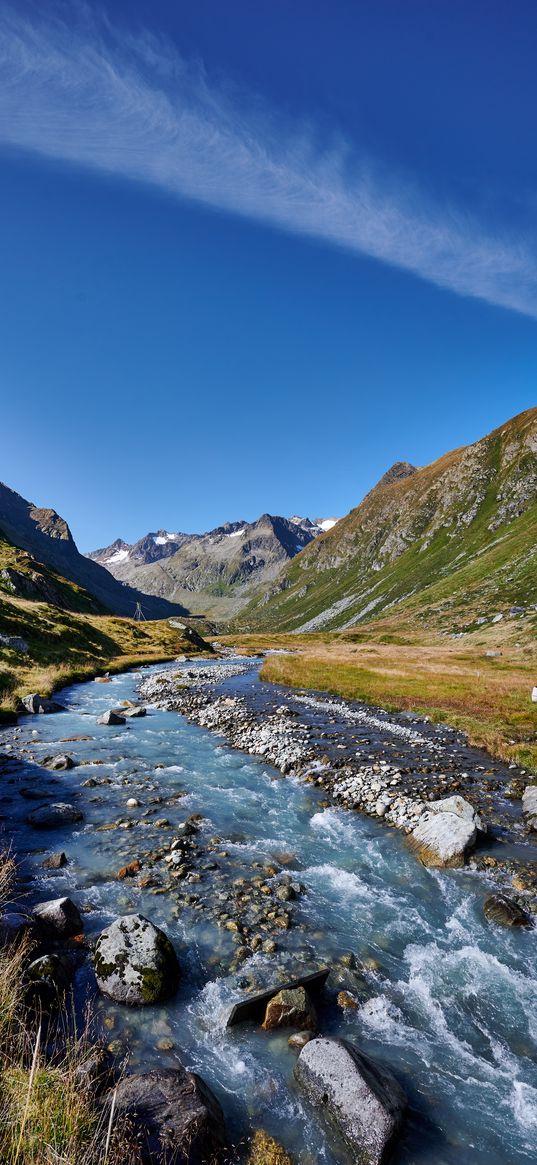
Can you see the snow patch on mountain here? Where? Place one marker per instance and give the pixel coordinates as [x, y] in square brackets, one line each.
[118, 556]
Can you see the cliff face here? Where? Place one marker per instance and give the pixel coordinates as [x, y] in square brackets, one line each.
[46, 536]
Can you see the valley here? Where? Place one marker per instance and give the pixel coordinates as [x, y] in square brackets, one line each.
[279, 749]
[213, 574]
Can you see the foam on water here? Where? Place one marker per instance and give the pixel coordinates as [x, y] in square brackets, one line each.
[331, 878]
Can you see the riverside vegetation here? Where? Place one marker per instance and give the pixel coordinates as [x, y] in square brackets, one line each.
[54, 632]
[47, 1113]
[481, 687]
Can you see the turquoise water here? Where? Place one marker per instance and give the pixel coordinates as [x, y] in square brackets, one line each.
[452, 1004]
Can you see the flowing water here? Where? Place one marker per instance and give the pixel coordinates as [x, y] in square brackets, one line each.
[451, 1006]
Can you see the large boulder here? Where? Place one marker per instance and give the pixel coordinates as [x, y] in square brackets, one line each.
[460, 807]
[360, 1100]
[290, 1008]
[58, 917]
[41, 705]
[135, 962]
[111, 717]
[506, 911]
[446, 832]
[177, 1119]
[134, 711]
[529, 805]
[53, 816]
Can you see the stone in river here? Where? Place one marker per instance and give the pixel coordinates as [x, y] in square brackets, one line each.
[505, 911]
[460, 807]
[55, 861]
[347, 1001]
[298, 1040]
[529, 805]
[52, 969]
[254, 1006]
[176, 1117]
[362, 1101]
[53, 816]
[60, 917]
[59, 763]
[41, 705]
[135, 962]
[110, 717]
[290, 1008]
[129, 870]
[264, 1150]
[135, 711]
[446, 832]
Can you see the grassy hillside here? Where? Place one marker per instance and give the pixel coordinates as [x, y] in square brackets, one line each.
[68, 635]
[451, 544]
[45, 535]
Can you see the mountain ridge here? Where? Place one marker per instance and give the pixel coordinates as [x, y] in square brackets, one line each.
[414, 532]
[42, 533]
[216, 572]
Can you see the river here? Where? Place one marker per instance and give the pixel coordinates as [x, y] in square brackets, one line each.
[451, 1000]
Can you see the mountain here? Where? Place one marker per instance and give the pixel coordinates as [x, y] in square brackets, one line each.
[214, 573]
[452, 543]
[43, 534]
[53, 632]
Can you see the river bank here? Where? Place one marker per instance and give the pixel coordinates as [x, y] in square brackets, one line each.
[274, 878]
[480, 683]
[387, 765]
[43, 648]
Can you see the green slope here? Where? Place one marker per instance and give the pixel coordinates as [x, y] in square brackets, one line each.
[68, 634]
[453, 543]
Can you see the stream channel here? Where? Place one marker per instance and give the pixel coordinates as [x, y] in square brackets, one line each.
[451, 1000]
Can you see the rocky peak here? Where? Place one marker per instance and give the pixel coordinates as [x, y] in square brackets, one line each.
[50, 523]
[41, 532]
[397, 472]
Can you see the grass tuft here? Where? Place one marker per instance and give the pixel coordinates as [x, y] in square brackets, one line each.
[46, 1116]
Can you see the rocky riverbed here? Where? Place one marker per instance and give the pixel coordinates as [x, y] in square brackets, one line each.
[389, 766]
[234, 881]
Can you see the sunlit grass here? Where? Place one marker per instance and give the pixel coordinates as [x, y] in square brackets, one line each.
[489, 699]
[47, 1117]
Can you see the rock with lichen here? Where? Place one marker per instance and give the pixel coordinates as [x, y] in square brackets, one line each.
[135, 962]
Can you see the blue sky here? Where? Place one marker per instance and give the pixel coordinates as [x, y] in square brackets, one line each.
[254, 253]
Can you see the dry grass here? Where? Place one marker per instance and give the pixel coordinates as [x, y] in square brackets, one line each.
[66, 647]
[487, 698]
[46, 1117]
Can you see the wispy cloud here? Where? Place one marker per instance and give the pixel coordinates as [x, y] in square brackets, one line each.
[89, 96]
